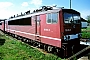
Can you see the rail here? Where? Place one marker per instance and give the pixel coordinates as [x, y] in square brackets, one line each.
[88, 47]
[85, 30]
[85, 39]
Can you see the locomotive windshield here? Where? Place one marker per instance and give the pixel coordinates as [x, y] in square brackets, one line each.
[71, 18]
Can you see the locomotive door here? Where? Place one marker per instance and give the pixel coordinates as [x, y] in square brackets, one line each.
[37, 28]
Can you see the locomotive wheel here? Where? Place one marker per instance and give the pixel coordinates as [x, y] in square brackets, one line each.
[29, 41]
[49, 48]
[41, 46]
[57, 50]
[45, 47]
[38, 45]
[34, 43]
[26, 40]
[15, 36]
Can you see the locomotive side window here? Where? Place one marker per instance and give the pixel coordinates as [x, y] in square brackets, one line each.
[49, 18]
[24, 21]
[52, 18]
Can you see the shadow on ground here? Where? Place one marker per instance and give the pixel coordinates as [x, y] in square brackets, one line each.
[2, 41]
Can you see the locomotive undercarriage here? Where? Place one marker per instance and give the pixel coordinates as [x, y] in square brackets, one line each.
[64, 52]
[70, 47]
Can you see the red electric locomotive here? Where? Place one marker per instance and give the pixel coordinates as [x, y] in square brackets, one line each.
[53, 29]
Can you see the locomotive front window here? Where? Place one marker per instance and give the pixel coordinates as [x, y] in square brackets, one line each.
[71, 18]
[76, 18]
[68, 18]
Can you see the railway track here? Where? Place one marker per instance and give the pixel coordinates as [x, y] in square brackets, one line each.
[84, 58]
[85, 30]
[84, 53]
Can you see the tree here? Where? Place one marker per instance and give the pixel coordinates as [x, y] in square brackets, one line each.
[88, 18]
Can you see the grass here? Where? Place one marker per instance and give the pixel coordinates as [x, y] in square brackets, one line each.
[16, 50]
[86, 34]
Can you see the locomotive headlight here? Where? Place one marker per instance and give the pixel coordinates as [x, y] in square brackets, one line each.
[66, 38]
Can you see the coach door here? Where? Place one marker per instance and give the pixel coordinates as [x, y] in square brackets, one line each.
[38, 28]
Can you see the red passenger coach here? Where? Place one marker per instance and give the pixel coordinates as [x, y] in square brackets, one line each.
[2, 25]
[53, 29]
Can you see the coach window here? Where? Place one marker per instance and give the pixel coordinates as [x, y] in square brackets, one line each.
[0, 23]
[52, 18]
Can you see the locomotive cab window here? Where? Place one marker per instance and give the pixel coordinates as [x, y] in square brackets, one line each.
[52, 18]
[76, 18]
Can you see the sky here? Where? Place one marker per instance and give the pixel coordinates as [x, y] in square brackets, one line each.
[10, 8]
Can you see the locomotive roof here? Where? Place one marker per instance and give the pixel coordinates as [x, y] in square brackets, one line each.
[71, 11]
[43, 12]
